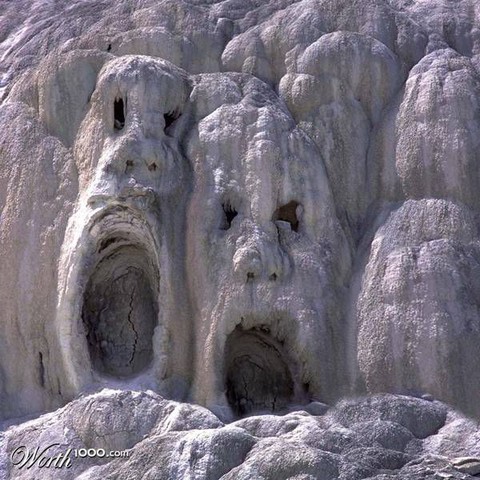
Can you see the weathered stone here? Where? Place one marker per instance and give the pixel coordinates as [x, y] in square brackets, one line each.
[470, 465]
[231, 215]
[166, 439]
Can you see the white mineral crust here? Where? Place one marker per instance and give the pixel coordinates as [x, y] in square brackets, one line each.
[217, 211]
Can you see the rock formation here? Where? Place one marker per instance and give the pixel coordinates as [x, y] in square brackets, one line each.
[253, 207]
[380, 438]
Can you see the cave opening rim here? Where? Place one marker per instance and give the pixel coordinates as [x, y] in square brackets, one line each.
[113, 232]
[269, 333]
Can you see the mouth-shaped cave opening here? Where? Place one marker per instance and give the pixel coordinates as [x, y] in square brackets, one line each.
[258, 375]
[120, 309]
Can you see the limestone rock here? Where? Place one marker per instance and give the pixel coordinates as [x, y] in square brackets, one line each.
[202, 447]
[219, 217]
[428, 330]
[468, 465]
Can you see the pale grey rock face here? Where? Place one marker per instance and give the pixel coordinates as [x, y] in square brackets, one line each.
[261, 208]
[112, 319]
[405, 438]
[423, 292]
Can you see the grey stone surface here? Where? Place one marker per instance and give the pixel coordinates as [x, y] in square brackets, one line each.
[231, 215]
[166, 439]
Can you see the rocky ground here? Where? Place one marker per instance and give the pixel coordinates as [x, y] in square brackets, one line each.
[381, 437]
[295, 181]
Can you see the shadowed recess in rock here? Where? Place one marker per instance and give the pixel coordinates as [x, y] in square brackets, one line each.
[119, 114]
[230, 212]
[258, 377]
[169, 118]
[288, 213]
[120, 310]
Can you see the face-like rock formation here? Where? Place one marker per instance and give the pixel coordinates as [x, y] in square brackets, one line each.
[244, 206]
[111, 319]
[266, 254]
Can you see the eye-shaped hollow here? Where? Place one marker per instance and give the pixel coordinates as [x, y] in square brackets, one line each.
[288, 213]
[119, 113]
[170, 117]
[229, 213]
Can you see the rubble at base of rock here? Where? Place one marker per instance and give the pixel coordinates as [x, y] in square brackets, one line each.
[380, 437]
[231, 215]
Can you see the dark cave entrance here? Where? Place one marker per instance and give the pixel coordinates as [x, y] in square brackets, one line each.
[120, 311]
[118, 114]
[258, 376]
[169, 118]
[288, 213]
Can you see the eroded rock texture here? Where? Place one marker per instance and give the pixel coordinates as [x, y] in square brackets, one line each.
[382, 437]
[252, 207]
[119, 314]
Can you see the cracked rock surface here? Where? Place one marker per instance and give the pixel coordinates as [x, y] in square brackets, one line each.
[119, 314]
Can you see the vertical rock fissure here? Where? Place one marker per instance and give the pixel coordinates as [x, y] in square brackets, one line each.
[118, 114]
[41, 369]
[135, 333]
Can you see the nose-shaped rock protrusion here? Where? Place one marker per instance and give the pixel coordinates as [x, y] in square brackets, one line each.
[127, 153]
[131, 153]
[127, 167]
[247, 263]
[259, 259]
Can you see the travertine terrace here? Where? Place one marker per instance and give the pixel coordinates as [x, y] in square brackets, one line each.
[249, 208]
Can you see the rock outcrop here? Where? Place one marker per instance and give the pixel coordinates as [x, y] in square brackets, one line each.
[381, 437]
[247, 207]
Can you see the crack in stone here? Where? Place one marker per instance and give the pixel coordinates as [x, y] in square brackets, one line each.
[119, 312]
[129, 319]
[258, 375]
